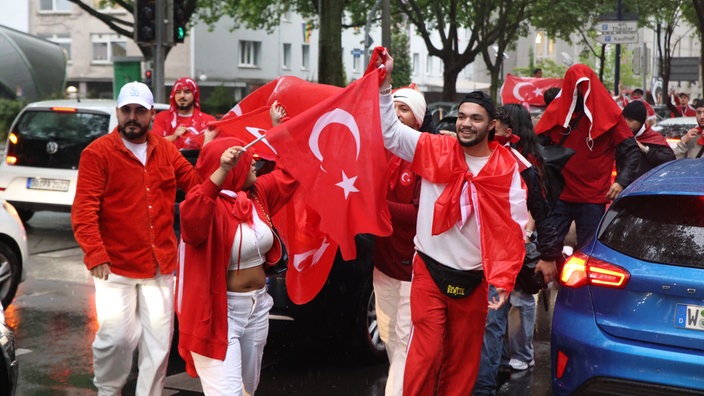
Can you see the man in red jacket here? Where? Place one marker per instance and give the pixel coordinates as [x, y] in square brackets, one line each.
[122, 218]
[184, 123]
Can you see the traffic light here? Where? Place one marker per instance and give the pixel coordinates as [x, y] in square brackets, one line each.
[179, 20]
[145, 21]
[148, 78]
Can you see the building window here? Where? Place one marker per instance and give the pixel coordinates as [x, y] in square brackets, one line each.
[356, 63]
[429, 65]
[544, 46]
[249, 53]
[305, 57]
[55, 5]
[107, 46]
[416, 63]
[286, 56]
[62, 39]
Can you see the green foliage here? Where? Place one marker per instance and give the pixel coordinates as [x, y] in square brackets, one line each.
[402, 57]
[550, 68]
[9, 108]
[220, 101]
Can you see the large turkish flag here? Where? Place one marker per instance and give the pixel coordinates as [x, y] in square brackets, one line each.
[527, 89]
[335, 150]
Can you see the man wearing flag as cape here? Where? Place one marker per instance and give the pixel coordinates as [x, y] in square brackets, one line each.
[471, 217]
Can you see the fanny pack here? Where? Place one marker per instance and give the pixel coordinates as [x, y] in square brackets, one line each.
[452, 282]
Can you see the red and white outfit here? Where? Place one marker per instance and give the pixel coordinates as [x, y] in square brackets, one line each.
[166, 122]
[471, 216]
[118, 183]
[393, 257]
[221, 333]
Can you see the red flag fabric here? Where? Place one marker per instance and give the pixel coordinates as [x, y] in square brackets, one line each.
[249, 127]
[311, 253]
[294, 94]
[527, 89]
[335, 150]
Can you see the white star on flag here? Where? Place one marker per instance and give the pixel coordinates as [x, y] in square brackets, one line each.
[347, 184]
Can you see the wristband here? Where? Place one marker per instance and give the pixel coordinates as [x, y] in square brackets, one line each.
[385, 91]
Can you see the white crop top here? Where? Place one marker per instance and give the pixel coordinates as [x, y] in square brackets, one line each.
[256, 240]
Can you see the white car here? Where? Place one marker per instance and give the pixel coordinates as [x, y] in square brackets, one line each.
[674, 128]
[44, 145]
[13, 252]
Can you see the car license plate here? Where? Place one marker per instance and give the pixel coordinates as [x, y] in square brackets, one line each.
[689, 317]
[36, 183]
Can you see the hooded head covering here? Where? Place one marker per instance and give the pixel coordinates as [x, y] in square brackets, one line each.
[599, 107]
[414, 100]
[209, 161]
[185, 83]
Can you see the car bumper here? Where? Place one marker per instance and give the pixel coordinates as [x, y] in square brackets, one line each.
[13, 188]
[598, 361]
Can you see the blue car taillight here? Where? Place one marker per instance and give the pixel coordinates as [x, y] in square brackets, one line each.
[581, 270]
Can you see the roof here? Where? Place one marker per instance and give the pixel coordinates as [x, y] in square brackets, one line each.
[683, 176]
[30, 67]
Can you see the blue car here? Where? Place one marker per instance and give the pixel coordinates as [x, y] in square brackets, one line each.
[629, 315]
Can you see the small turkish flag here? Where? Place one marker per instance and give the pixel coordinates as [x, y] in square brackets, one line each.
[527, 89]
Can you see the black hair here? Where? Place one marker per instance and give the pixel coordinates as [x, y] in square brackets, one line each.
[698, 103]
[522, 126]
[550, 94]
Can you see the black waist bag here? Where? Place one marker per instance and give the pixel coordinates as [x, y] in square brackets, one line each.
[453, 283]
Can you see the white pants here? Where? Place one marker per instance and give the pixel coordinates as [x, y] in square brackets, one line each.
[133, 312]
[393, 315]
[248, 327]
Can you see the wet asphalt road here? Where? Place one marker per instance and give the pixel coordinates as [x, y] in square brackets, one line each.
[54, 321]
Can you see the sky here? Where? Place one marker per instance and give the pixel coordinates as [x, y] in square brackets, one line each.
[14, 14]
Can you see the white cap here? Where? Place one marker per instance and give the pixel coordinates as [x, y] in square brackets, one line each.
[414, 100]
[135, 93]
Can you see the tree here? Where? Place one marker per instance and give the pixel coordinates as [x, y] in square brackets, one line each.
[487, 23]
[698, 6]
[402, 57]
[266, 14]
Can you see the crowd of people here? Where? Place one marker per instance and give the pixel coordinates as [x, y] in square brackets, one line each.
[464, 207]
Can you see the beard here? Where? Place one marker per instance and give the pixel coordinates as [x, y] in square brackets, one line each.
[185, 106]
[132, 131]
[473, 141]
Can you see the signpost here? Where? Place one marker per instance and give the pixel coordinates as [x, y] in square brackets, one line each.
[618, 38]
[617, 27]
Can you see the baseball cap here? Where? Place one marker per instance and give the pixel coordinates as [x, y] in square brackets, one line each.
[135, 93]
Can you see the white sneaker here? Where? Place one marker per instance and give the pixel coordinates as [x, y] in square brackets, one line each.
[520, 365]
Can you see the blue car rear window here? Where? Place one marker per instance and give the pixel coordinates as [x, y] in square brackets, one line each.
[666, 229]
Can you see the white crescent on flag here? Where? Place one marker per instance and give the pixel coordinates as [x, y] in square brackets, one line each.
[336, 116]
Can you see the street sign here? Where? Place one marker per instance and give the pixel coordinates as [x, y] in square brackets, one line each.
[617, 27]
[357, 52]
[628, 38]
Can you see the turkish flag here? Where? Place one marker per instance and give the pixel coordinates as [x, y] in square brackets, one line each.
[249, 127]
[527, 89]
[294, 94]
[335, 150]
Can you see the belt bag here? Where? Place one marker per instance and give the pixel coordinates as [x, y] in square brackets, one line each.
[452, 282]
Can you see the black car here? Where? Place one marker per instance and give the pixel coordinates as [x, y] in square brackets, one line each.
[343, 312]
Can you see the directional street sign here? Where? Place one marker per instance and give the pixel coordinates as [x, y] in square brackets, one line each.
[627, 38]
[617, 27]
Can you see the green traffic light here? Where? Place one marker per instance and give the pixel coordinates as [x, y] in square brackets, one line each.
[180, 33]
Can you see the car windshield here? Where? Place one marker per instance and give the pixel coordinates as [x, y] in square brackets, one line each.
[666, 229]
[66, 126]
